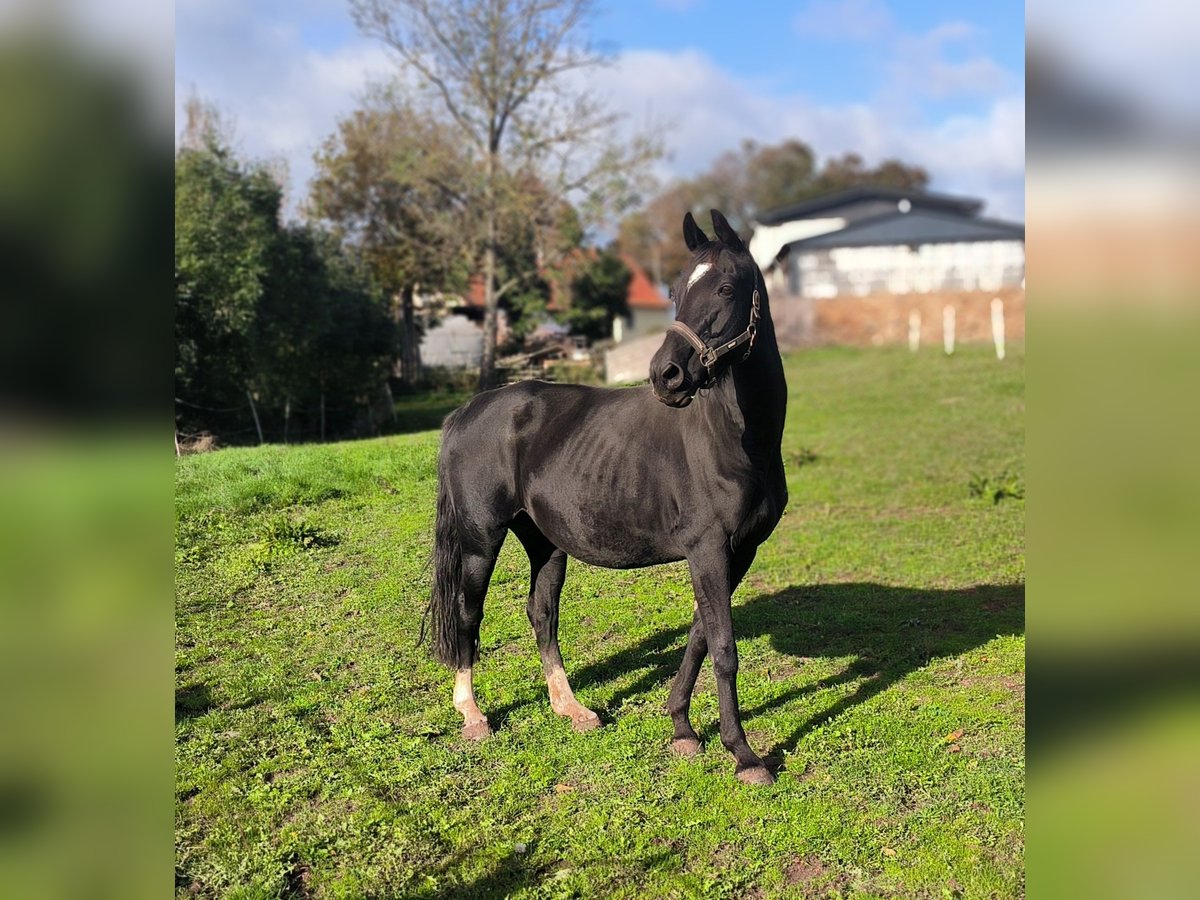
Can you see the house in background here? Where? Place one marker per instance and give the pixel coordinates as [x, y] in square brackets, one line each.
[650, 312]
[852, 267]
[453, 342]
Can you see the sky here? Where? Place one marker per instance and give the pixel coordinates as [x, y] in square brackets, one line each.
[939, 84]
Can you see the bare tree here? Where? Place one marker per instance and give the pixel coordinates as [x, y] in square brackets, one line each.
[507, 74]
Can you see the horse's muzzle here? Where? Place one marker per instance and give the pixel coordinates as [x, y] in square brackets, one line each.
[671, 384]
[677, 400]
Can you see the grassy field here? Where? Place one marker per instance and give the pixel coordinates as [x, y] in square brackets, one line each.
[882, 644]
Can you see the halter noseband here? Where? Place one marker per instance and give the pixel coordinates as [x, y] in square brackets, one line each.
[710, 356]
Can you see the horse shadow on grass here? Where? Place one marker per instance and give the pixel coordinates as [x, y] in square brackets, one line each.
[889, 631]
[509, 875]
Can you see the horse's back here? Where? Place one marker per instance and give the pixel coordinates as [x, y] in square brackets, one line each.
[585, 464]
[500, 431]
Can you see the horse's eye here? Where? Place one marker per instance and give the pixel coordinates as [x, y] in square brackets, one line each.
[725, 290]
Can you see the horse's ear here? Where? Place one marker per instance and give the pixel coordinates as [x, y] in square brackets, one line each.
[692, 235]
[725, 234]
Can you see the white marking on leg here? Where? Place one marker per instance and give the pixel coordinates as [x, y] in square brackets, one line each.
[562, 698]
[563, 702]
[698, 273]
[464, 698]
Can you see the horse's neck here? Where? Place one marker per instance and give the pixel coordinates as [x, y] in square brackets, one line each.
[754, 394]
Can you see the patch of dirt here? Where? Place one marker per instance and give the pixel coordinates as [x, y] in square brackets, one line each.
[803, 869]
[203, 442]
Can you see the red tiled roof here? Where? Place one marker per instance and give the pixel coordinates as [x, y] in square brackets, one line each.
[475, 292]
[643, 294]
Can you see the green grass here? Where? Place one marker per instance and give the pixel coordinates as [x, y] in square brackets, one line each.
[317, 751]
[421, 412]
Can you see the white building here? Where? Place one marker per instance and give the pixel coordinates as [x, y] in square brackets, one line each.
[851, 266]
[874, 240]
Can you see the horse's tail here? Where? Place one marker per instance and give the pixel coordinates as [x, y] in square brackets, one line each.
[441, 615]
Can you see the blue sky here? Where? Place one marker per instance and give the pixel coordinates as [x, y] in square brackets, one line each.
[935, 83]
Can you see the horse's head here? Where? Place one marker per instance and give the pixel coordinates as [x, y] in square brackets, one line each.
[716, 314]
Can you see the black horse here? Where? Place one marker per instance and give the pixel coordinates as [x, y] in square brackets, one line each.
[688, 467]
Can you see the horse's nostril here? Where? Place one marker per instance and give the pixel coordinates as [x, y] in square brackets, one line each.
[672, 376]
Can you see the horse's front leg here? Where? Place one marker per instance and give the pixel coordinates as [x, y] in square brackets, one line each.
[685, 741]
[711, 581]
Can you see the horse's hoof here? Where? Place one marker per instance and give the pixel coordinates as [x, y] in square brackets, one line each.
[586, 723]
[685, 746]
[755, 775]
[477, 731]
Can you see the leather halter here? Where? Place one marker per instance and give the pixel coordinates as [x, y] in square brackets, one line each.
[710, 356]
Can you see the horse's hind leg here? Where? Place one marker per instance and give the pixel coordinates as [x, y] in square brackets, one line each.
[477, 572]
[547, 572]
[684, 741]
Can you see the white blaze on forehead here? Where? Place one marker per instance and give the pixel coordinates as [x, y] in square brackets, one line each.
[698, 273]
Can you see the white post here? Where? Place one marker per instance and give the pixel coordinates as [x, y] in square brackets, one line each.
[948, 329]
[998, 326]
[914, 330]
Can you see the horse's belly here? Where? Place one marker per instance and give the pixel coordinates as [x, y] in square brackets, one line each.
[602, 539]
[619, 557]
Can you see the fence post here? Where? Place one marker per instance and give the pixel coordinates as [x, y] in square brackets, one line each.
[998, 326]
[914, 330]
[948, 329]
[254, 412]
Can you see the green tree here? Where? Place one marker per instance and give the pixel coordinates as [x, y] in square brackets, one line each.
[279, 317]
[599, 293]
[541, 236]
[394, 183]
[780, 175]
[354, 347]
[849, 170]
[226, 228]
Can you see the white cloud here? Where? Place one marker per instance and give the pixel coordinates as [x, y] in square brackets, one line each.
[945, 62]
[844, 20]
[707, 111]
[285, 99]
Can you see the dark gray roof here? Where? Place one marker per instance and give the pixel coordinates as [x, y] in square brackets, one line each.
[827, 205]
[920, 226]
